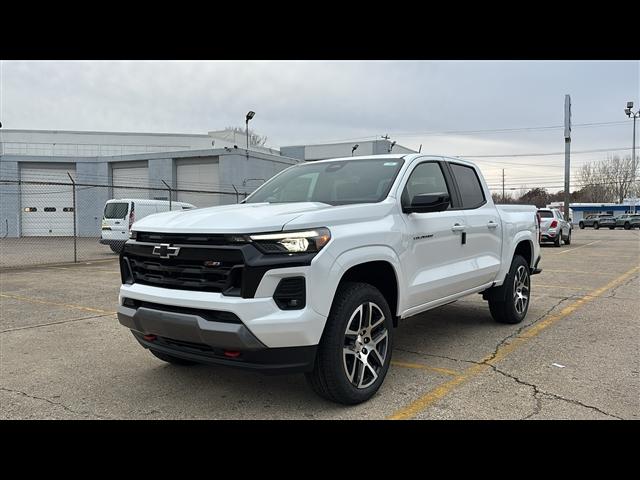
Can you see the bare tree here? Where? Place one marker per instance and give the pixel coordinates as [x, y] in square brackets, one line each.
[609, 180]
[254, 139]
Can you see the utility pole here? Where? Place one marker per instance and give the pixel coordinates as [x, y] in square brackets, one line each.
[503, 201]
[567, 153]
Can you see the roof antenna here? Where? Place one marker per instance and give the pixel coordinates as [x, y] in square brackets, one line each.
[420, 149]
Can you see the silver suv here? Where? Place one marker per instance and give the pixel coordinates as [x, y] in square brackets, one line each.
[598, 220]
[553, 227]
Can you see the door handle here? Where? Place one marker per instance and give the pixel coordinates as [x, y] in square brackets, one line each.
[492, 224]
[458, 228]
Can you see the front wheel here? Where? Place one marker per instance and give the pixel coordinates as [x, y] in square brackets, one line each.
[627, 226]
[513, 306]
[355, 350]
[581, 225]
[596, 225]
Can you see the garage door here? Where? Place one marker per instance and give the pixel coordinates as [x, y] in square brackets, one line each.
[46, 210]
[133, 176]
[200, 174]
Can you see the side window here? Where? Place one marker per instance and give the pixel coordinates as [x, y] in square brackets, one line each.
[469, 185]
[425, 178]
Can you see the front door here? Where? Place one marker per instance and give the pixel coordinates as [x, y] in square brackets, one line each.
[434, 240]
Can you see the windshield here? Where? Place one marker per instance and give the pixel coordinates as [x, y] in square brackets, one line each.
[546, 214]
[116, 210]
[335, 183]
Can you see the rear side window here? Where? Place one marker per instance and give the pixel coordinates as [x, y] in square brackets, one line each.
[545, 214]
[469, 186]
[116, 210]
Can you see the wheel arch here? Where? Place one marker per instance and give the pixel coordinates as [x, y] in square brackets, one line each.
[377, 266]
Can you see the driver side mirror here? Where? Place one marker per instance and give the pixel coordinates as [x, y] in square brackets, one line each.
[428, 202]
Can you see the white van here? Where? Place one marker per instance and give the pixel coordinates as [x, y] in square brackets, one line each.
[119, 215]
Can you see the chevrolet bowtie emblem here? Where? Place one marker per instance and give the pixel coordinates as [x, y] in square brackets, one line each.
[165, 250]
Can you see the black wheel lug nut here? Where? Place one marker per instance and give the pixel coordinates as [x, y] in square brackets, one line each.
[366, 340]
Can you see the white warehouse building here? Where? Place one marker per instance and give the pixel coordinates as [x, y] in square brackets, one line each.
[107, 165]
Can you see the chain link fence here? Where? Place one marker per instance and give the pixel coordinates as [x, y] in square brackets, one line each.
[60, 222]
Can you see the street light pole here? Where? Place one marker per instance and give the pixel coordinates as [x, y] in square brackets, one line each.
[250, 115]
[634, 190]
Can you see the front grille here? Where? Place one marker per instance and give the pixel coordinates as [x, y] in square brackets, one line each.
[195, 268]
[184, 238]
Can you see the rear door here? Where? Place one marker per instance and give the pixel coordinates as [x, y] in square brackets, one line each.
[482, 251]
[115, 221]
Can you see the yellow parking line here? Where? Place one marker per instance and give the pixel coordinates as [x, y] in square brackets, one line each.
[546, 285]
[576, 248]
[46, 302]
[578, 271]
[441, 391]
[420, 366]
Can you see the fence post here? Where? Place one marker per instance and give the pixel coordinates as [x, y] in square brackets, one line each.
[75, 236]
[170, 195]
[237, 193]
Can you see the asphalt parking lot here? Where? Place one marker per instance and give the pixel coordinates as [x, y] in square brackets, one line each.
[63, 353]
[16, 252]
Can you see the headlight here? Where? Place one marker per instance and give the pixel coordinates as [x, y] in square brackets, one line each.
[307, 241]
[133, 234]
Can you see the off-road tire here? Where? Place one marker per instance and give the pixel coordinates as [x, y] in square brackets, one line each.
[504, 311]
[329, 378]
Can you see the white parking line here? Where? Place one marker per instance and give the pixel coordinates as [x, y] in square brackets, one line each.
[577, 248]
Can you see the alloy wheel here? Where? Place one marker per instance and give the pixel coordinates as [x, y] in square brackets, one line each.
[521, 288]
[366, 344]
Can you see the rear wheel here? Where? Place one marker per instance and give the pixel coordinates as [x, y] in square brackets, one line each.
[117, 248]
[611, 228]
[355, 351]
[171, 359]
[627, 225]
[581, 225]
[513, 306]
[568, 240]
[558, 240]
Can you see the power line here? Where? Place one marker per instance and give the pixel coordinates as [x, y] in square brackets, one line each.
[481, 131]
[599, 150]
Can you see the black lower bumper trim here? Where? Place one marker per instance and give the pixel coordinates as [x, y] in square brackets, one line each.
[267, 360]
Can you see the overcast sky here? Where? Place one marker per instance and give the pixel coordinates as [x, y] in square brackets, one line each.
[300, 102]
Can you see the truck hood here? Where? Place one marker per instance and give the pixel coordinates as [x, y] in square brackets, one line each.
[236, 218]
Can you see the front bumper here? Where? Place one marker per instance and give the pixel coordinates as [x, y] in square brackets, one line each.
[222, 343]
[271, 326]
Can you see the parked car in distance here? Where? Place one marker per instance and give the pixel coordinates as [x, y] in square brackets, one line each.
[553, 227]
[119, 215]
[628, 221]
[312, 272]
[598, 220]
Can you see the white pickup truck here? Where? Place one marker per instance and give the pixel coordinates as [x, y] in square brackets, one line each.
[312, 272]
